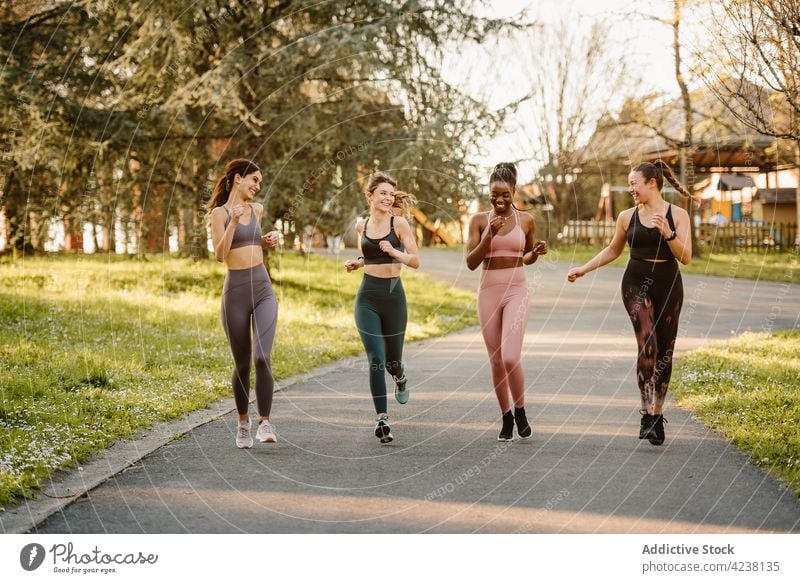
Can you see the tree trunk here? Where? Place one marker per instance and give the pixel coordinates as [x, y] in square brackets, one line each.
[186, 230]
[686, 150]
[35, 229]
[73, 234]
[199, 234]
[797, 193]
[125, 223]
[109, 231]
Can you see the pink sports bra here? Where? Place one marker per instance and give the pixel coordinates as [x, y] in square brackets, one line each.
[512, 244]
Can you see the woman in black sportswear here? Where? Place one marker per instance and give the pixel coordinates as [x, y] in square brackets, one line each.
[387, 243]
[652, 290]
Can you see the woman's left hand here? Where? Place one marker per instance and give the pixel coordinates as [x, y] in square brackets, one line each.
[387, 248]
[271, 239]
[540, 248]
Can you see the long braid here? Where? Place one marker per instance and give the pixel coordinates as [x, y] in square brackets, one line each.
[667, 172]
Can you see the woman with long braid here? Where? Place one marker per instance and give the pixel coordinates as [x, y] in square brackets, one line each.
[652, 290]
[247, 296]
[503, 241]
[387, 243]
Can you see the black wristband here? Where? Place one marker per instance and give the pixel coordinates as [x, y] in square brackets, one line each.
[673, 236]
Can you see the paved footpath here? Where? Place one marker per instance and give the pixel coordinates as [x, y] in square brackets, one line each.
[584, 472]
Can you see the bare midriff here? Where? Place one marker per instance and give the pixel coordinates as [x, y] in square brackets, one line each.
[384, 270]
[244, 257]
[502, 262]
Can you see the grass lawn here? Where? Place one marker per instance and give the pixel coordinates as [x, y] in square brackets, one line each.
[93, 348]
[748, 389]
[784, 267]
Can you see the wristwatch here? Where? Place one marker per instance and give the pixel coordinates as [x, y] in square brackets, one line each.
[672, 237]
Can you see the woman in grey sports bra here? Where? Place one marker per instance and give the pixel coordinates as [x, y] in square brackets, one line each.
[247, 296]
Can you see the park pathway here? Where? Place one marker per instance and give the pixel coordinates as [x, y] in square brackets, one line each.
[585, 471]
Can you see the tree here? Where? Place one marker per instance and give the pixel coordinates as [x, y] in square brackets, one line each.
[134, 113]
[572, 77]
[755, 72]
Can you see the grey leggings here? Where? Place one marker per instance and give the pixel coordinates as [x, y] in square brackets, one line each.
[247, 295]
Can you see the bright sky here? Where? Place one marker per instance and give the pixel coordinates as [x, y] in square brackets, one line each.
[645, 45]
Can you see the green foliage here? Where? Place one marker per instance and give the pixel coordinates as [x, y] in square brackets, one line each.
[748, 388]
[132, 109]
[92, 349]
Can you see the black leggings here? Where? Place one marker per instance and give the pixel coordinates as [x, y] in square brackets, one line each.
[653, 296]
[248, 298]
[381, 318]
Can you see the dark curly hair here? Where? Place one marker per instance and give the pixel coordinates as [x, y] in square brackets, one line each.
[504, 172]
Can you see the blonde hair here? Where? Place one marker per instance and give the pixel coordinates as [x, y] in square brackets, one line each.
[404, 202]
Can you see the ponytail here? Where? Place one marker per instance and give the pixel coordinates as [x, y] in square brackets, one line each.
[222, 189]
[404, 201]
[660, 170]
[667, 173]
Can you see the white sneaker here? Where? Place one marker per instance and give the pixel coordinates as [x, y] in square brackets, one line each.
[266, 433]
[382, 430]
[244, 439]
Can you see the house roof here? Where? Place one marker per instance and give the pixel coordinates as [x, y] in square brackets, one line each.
[718, 137]
[776, 195]
[734, 182]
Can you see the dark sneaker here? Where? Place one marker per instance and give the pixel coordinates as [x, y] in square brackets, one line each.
[647, 428]
[658, 430]
[400, 390]
[523, 427]
[507, 432]
[382, 430]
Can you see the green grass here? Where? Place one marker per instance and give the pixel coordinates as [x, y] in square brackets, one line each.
[784, 267]
[748, 389]
[93, 348]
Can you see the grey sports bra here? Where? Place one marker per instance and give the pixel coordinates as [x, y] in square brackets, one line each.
[244, 235]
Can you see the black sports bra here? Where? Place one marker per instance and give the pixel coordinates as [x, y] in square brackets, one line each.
[244, 235]
[648, 242]
[371, 249]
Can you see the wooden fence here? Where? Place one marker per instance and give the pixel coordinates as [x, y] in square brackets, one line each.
[592, 233]
[747, 237]
[711, 238]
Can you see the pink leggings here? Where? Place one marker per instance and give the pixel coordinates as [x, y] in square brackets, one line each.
[503, 306]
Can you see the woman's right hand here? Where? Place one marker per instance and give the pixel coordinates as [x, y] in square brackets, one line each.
[575, 273]
[493, 226]
[237, 212]
[496, 224]
[352, 265]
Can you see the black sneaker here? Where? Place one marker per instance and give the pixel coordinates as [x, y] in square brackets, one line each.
[658, 430]
[507, 432]
[382, 430]
[523, 427]
[647, 428]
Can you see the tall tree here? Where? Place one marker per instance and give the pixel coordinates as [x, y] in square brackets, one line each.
[572, 76]
[755, 72]
[145, 101]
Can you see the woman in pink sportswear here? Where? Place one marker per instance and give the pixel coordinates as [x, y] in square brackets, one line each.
[503, 241]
